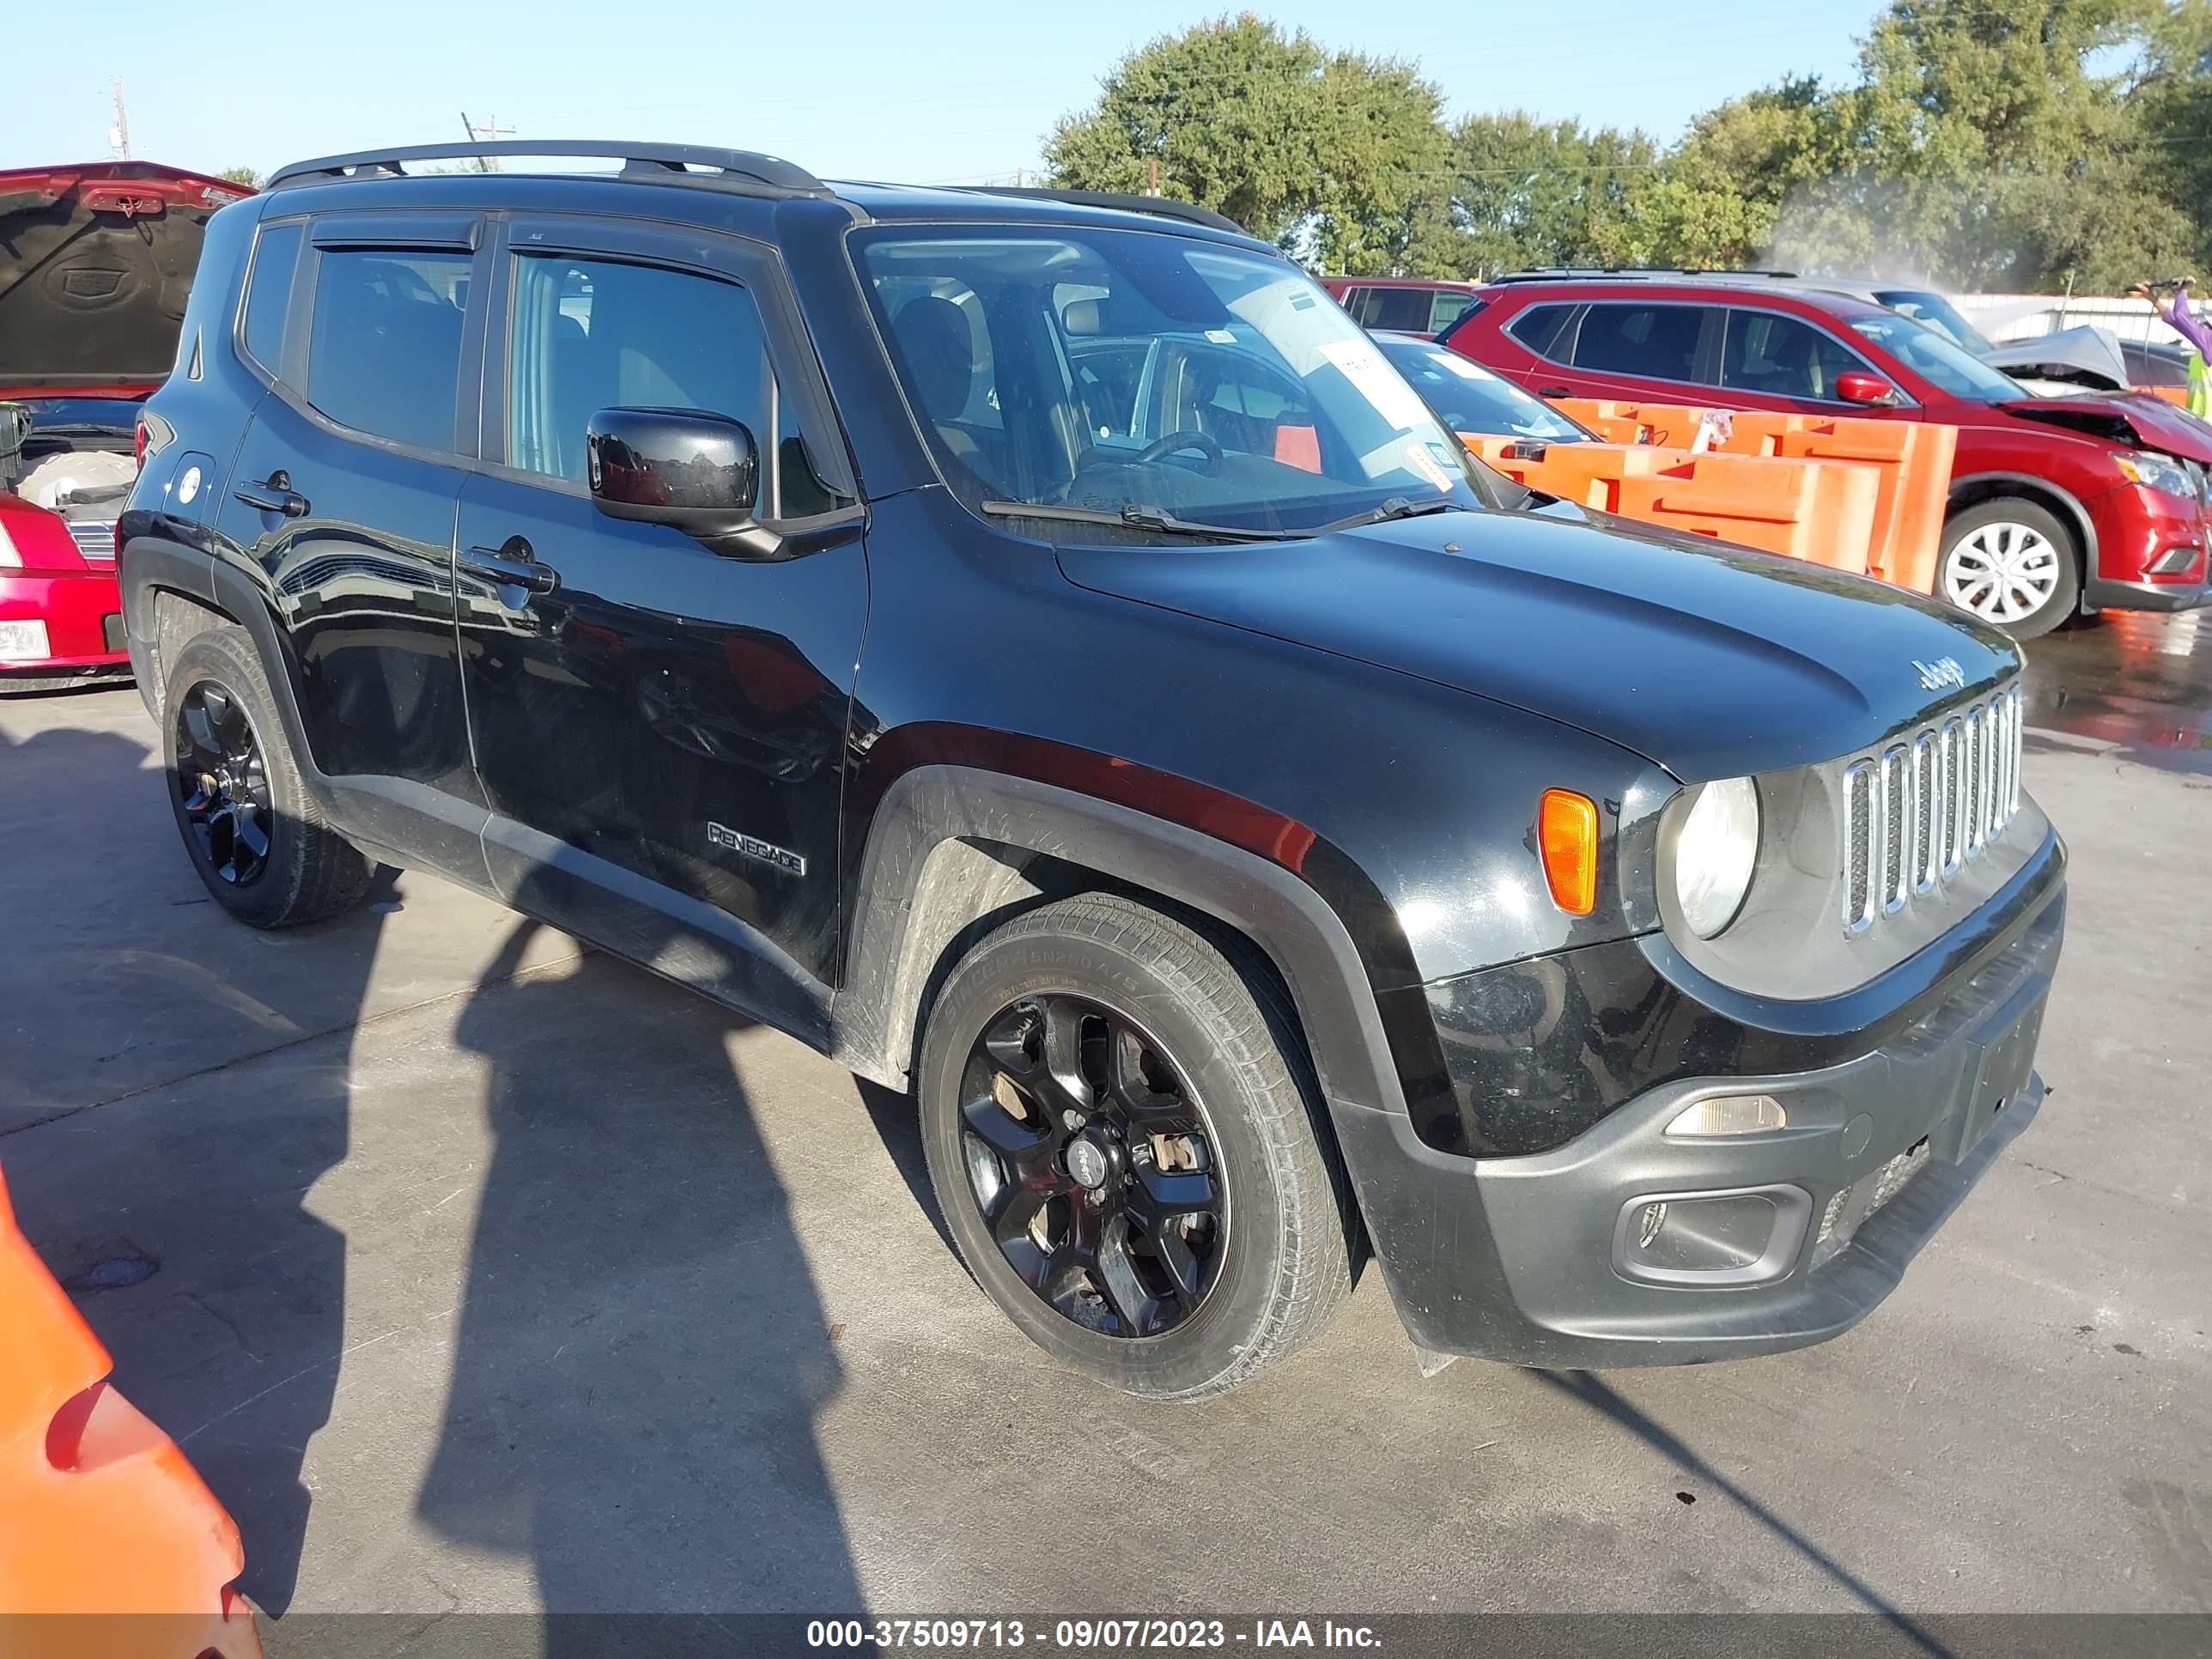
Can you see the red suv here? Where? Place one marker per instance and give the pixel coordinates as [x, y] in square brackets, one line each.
[95, 261]
[2057, 503]
[1406, 304]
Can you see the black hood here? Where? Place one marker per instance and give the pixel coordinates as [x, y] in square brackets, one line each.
[95, 262]
[1711, 660]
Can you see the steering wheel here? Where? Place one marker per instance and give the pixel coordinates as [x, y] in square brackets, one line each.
[1176, 442]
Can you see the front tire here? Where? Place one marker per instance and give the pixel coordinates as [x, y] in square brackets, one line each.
[1125, 1160]
[255, 837]
[2012, 563]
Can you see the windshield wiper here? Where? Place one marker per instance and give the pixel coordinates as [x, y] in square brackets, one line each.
[1134, 515]
[1396, 508]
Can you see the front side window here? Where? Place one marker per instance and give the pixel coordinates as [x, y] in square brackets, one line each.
[384, 353]
[590, 334]
[269, 292]
[1447, 306]
[1781, 357]
[1655, 342]
[1112, 370]
[1936, 359]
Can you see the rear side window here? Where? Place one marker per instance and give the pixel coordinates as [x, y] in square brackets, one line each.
[1658, 342]
[1539, 327]
[1783, 356]
[1447, 306]
[384, 353]
[1406, 309]
[268, 292]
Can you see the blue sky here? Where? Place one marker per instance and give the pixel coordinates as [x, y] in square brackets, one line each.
[859, 88]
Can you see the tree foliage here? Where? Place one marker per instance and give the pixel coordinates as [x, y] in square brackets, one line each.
[1999, 143]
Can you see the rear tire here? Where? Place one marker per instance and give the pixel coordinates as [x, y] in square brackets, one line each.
[257, 840]
[2012, 564]
[1103, 1070]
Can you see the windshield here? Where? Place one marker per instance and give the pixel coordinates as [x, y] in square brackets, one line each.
[1937, 313]
[1934, 358]
[1468, 397]
[1150, 374]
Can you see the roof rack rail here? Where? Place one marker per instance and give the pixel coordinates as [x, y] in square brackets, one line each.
[743, 170]
[1163, 207]
[1554, 273]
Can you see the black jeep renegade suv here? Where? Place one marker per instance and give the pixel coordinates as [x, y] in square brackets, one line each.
[1041, 654]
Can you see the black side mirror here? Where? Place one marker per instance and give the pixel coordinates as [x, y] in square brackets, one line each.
[684, 467]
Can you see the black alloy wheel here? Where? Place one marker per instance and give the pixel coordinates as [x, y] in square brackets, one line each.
[1093, 1165]
[223, 784]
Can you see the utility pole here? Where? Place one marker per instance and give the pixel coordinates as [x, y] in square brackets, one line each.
[1151, 175]
[118, 135]
[484, 134]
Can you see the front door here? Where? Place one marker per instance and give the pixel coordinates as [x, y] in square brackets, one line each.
[659, 728]
[344, 490]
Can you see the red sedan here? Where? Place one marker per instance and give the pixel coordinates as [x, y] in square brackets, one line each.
[95, 260]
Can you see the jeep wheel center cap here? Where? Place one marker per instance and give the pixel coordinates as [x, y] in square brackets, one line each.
[1087, 1163]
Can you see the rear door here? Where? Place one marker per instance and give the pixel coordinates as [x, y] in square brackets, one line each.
[344, 489]
[1653, 350]
[659, 728]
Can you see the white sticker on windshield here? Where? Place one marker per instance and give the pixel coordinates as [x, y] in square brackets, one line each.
[1423, 462]
[1379, 383]
[1220, 336]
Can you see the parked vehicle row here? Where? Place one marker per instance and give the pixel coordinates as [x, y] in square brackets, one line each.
[2056, 505]
[1047, 658]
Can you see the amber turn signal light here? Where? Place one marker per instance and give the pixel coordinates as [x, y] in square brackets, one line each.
[1566, 834]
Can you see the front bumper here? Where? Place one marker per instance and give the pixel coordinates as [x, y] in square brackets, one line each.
[1521, 1259]
[2154, 552]
[82, 611]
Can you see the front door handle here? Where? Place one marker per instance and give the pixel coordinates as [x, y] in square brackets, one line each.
[273, 495]
[512, 564]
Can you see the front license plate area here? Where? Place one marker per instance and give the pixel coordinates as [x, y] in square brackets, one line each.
[2003, 1072]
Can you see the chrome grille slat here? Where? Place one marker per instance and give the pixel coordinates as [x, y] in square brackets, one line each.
[1918, 811]
[95, 541]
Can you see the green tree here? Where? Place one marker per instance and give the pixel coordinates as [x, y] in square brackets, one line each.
[245, 176]
[1301, 146]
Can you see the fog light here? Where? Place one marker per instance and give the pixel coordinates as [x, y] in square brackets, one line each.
[1747, 1236]
[1730, 1114]
[23, 641]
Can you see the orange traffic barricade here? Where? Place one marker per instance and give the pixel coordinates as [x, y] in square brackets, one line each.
[1821, 511]
[111, 1545]
[1911, 458]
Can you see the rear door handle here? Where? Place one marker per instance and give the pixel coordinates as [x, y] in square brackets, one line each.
[273, 495]
[512, 564]
[1555, 391]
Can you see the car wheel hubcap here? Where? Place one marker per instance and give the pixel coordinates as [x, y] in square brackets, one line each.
[1092, 1165]
[2002, 573]
[222, 785]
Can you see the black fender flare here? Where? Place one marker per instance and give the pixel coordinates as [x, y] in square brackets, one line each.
[895, 946]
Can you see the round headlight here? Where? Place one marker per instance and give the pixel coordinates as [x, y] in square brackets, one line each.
[1715, 853]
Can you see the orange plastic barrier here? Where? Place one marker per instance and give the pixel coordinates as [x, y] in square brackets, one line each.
[1913, 459]
[1821, 511]
[1671, 426]
[101, 1516]
[2172, 394]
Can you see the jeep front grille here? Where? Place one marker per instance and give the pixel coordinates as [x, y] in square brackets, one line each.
[1921, 807]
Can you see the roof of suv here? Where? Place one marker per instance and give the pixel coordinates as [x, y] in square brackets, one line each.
[752, 173]
[1840, 300]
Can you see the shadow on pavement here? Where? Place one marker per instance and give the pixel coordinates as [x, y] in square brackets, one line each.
[641, 1353]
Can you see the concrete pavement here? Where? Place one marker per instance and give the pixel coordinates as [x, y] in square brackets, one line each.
[477, 1272]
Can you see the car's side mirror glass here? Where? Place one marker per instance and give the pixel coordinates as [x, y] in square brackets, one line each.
[684, 467]
[1855, 385]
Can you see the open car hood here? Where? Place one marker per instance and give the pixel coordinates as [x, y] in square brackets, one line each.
[2134, 418]
[95, 261]
[2086, 357]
